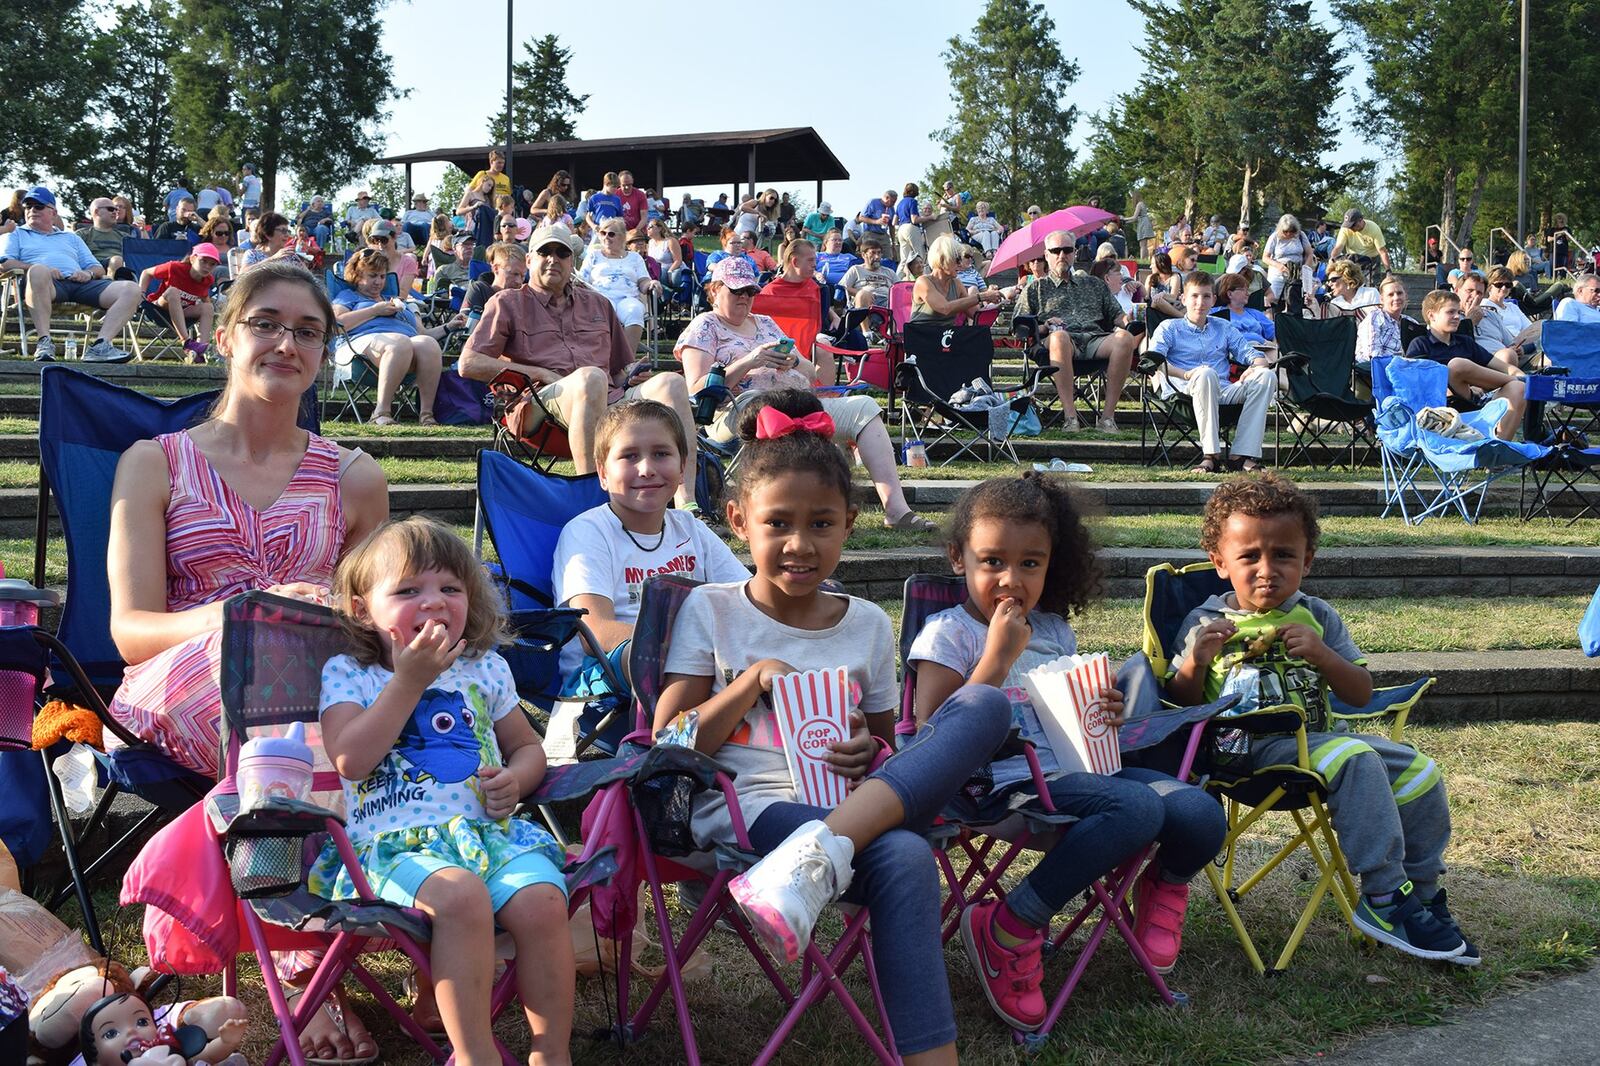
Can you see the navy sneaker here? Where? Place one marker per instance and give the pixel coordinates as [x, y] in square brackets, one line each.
[1404, 923]
[1441, 914]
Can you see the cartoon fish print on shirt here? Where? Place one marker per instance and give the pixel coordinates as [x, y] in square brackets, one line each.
[439, 740]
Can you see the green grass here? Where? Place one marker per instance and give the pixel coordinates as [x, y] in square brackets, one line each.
[1175, 530]
[1524, 882]
[1391, 624]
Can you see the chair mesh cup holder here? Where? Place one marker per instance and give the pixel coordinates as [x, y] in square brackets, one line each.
[264, 866]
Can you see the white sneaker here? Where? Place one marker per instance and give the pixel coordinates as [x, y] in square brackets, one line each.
[44, 350]
[103, 351]
[783, 893]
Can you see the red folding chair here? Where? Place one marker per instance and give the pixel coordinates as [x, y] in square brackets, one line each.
[989, 850]
[273, 651]
[524, 428]
[653, 814]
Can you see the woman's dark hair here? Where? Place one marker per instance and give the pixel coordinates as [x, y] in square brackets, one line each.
[1072, 580]
[763, 460]
[1102, 267]
[266, 226]
[911, 189]
[1161, 263]
[556, 179]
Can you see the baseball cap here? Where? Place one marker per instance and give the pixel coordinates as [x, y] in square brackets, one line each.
[556, 233]
[207, 249]
[466, 238]
[382, 228]
[40, 195]
[1353, 218]
[735, 272]
[363, 195]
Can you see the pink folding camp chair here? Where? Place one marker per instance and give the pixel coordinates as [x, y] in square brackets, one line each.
[990, 850]
[652, 810]
[273, 651]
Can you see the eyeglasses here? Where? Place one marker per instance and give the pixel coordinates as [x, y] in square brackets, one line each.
[748, 294]
[1465, 259]
[308, 338]
[1058, 251]
[381, 240]
[108, 207]
[559, 251]
[1500, 285]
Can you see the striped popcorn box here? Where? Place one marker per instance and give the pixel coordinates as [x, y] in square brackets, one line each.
[813, 711]
[1066, 696]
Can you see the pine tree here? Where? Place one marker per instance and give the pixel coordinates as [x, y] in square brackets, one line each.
[543, 107]
[1007, 138]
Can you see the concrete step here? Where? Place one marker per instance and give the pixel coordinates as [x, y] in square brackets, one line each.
[1496, 685]
[454, 502]
[1340, 573]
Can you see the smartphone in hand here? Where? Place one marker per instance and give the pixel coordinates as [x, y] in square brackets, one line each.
[785, 346]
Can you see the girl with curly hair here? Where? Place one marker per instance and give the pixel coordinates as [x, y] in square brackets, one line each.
[1029, 562]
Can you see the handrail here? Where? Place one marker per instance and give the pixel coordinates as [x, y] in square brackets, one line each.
[1576, 245]
[1445, 244]
[1516, 246]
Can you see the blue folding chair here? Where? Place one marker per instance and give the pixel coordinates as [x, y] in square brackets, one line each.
[1462, 469]
[85, 424]
[139, 256]
[352, 380]
[524, 511]
[1566, 402]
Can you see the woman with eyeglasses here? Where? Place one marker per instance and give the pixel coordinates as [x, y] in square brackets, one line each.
[620, 276]
[219, 231]
[272, 239]
[123, 215]
[246, 500]
[1503, 324]
[383, 331]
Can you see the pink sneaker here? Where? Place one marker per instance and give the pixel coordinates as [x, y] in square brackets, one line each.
[1010, 976]
[1158, 909]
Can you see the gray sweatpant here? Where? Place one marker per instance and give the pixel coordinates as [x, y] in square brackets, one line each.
[1387, 803]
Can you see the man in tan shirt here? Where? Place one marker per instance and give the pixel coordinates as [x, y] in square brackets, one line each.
[566, 339]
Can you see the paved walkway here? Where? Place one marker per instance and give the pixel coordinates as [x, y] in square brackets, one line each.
[1552, 1022]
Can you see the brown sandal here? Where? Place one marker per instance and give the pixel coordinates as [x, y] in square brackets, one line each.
[1249, 464]
[1207, 465]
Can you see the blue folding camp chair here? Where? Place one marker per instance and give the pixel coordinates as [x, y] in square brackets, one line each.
[1462, 469]
[1566, 402]
[85, 424]
[352, 380]
[157, 337]
[524, 511]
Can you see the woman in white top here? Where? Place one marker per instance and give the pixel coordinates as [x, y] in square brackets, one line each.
[620, 276]
[984, 228]
[1503, 323]
[1349, 296]
[751, 352]
[1285, 253]
[664, 249]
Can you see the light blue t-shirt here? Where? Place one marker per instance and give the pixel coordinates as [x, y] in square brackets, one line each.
[60, 249]
[180, 193]
[955, 640]
[1571, 309]
[402, 321]
[604, 205]
[431, 774]
[1186, 347]
[874, 209]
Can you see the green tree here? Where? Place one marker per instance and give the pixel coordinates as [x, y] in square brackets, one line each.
[543, 107]
[1007, 137]
[451, 185]
[1441, 91]
[256, 80]
[46, 81]
[136, 153]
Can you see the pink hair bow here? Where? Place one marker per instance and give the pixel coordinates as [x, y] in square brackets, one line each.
[772, 423]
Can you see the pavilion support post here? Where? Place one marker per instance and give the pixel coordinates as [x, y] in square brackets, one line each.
[819, 194]
[408, 185]
[752, 171]
[661, 178]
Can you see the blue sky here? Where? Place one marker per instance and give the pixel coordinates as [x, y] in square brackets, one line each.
[451, 99]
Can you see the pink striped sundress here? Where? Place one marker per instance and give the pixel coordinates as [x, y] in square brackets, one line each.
[219, 546]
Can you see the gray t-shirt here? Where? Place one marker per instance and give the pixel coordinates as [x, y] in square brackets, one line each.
[880, 281]
[955, 640]
[720, 634]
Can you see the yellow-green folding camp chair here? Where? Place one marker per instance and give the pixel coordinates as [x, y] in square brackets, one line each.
[1251, 793]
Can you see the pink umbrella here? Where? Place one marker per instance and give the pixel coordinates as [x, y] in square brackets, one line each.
[1027, 242]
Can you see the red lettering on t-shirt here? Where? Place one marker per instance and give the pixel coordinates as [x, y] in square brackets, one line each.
[687, 563]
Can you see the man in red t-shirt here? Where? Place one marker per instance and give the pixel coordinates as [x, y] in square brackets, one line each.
[635, 208]
[184, 294]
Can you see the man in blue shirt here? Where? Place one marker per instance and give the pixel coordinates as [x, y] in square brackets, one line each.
[1198, 349]
[59, 268]
[180, 193]
[1584, 303]
[875, 217]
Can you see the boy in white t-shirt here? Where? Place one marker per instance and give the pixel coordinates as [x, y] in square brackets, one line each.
[605, 554]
